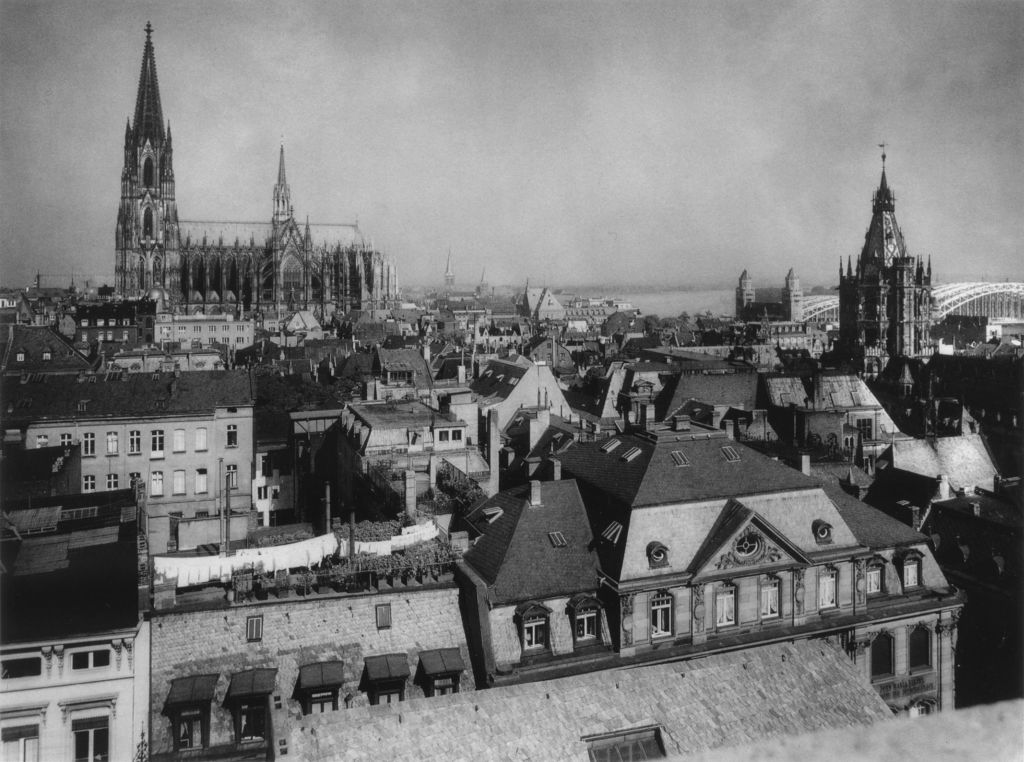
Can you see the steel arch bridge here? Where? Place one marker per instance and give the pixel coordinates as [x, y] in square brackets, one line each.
[997, 300]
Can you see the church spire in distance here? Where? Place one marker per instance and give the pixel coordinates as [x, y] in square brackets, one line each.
[149, 118]
[282, 194]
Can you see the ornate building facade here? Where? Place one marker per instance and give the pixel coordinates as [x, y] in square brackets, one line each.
[885, 301]
[231, 266]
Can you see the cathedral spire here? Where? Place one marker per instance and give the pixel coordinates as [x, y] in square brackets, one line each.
[149, 119]
[282, 194]
[883, 201]
[280, 168]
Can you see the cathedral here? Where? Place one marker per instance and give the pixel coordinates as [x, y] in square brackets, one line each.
[253, 267]
[885, 301]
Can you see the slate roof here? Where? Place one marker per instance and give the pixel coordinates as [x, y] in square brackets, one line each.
[871, 527]
[34, 340]
[703, 703]
[652, 477]
[497, 378]
[122, 394]
[737, 390]
[516, 557]
[964, 459]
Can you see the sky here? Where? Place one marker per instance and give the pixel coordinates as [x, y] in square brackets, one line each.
[663, 144]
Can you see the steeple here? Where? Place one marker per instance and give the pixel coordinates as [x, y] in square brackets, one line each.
[883, 201]
[149, 118]
[282, 194]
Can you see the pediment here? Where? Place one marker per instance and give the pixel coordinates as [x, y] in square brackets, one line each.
[743, 540]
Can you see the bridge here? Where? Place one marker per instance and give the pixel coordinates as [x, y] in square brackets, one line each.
[995, 300]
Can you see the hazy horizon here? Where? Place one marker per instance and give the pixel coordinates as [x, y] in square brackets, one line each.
[639, 144]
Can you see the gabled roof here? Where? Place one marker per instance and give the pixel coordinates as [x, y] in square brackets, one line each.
[737, 390]
[35, 342]
[518, 559]
[964, 459]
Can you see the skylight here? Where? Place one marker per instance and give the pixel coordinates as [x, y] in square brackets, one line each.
[680, 458]
[612, 532]
[557, 539]
[730, 454]
[631, 453]
[493, 514]
[610, 445]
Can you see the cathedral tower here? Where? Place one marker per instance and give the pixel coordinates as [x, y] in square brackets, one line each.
[146, 239]
[793, 298]
[885, 300]
[745, 294]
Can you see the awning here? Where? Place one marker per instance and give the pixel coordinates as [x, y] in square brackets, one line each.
[191, 690]
[442, 661]
[253, 682]
[323, 674]
[387, 667]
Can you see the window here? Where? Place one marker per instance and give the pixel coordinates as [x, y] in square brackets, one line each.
[383, 616]
[26, 666]
[21, 357]
[179, 440]
[231, 478]
[157, 443]
[535, 631]
[189, 729]
[92, 739]
[90, 659]
[635, 744]
[457, 435]
[585, 624]
[679, 458]
[134, 442]
[88, 444]
[827, 588]
[725, 606]
[920, 648]
[661, 615]
[261, 493]
[133, 478]
[200, 481]
[42, 440]
[442, 435]
[769, 598]
[864, 426]
[385, 677]
[911, 573]
[47, 355]
[730, 454]
[112, 443]
[21, 743]
[320, 702]
[251, 720]
[232, 435]
[65, 440]
[630, 454]
[111, 481]
[881, 655]
[88, 483]
[557, 540]
[921, 708]
[254, 629]
[874, 580]
[156, 483]
[178, 482]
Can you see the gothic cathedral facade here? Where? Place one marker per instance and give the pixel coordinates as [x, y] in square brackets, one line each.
[244, 267]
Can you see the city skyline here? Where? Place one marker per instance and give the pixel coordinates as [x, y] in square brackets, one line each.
[636, 144]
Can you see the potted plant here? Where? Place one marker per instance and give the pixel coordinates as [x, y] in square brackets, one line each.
[283, 585]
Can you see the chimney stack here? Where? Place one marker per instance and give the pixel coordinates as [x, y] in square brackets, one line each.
[534, 493]
[943, 483]
[805, 463]
[644, 416]
[556, 469]
[680, 423]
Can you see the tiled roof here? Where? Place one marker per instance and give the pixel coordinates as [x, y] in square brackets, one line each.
[737, 390]
[124, 394]
[699, 704]
[964, 459]
[517, 556]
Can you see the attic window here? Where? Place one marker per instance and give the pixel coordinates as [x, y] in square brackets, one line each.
[730, 454]
[679, 457]
[630, 454]
[493, 514]
[21, 357]
[610, 445]
[822, 532]
[82, 405]
[513, 381]
[612, 532]
[557, 539]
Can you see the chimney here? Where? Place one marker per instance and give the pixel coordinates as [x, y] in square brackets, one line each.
[426, 352]
[556, 469]
[644, 416]
[462, 374]
[410, 494]
[915, 518]
[943, 484]
[680, 423]
[493, 446]
[534, 493]
[805, 463]
[976, 507]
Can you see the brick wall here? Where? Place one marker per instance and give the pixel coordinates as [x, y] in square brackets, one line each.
[296, 632]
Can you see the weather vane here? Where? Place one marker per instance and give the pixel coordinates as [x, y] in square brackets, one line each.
[882, 145]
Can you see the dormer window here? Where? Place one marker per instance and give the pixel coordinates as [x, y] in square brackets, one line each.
[822, 532]
[20, 357]
[657, 555]
[909, 564]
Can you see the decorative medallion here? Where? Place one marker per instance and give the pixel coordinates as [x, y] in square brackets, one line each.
[749, 548]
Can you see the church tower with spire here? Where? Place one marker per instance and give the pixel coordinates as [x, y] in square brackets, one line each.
[885, 299]
[146, 238]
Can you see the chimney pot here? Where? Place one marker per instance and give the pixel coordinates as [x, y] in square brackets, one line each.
[534, 492]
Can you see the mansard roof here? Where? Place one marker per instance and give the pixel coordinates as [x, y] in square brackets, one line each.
[149, 117]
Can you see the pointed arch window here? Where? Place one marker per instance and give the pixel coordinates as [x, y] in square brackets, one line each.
[147, 223]
[147, 172]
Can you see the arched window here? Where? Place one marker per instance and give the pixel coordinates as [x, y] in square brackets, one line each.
[881, 656]
[147, 172]
[147, 223]
[920, 648]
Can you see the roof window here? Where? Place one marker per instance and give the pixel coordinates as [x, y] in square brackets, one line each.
[630, 454]
[612, 532]
[679, 458]
[610, 445]
[730, 454]
[557, 539]
[493, 514]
